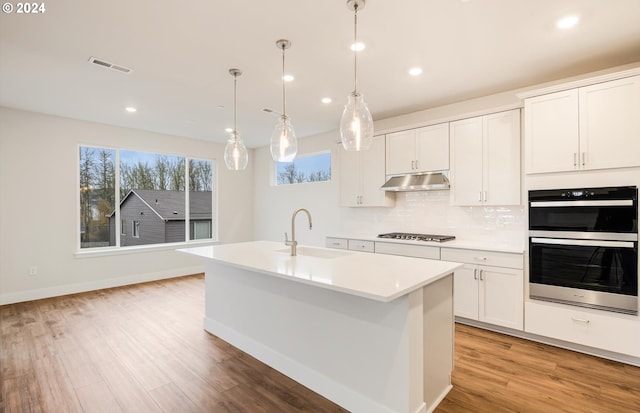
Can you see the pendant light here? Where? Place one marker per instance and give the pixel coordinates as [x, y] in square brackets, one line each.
[284, 145]
[356, 124]
[235, 153]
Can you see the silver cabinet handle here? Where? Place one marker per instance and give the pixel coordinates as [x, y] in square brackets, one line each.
[575, 159]
[475, 274]
[584, 156]
[481, 279]
[485, 196]
[479, 196]
[580, 320]
[480, 258]
[417, 164]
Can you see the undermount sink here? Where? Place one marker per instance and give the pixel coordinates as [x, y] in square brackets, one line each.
[315, 252]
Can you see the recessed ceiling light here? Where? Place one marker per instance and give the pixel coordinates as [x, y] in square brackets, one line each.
[358, 46]
[415, 71]
[326, 101]
[288, 78]
[130, 109]
[567, 22]
[228, 130]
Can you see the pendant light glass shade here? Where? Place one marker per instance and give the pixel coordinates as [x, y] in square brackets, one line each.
[236, 157]
[356, 124]
[284, 144]
[235, 153]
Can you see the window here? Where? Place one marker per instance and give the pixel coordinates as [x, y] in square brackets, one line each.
[135, 229]
[307, 168]
[200, 229]
[163, 194]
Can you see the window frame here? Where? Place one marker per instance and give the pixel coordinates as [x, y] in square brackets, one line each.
[119, 222]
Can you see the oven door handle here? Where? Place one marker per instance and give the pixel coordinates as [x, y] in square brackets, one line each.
[583, 242]
[551, 204]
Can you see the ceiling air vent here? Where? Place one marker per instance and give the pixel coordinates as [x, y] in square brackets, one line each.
[113, 66]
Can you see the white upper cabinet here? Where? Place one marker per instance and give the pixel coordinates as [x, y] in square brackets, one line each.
[485, 160]
[362, 174]
[610, 124]
[418, 150]
[551, 132]
[592, 127]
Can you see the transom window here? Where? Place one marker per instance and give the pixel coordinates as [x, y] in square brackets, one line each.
[306, 168]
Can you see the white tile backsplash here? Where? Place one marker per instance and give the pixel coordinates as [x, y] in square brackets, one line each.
[431, 212]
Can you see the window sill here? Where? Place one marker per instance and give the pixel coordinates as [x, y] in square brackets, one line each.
[105, 252]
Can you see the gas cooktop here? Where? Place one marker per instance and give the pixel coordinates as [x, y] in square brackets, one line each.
[417, 237]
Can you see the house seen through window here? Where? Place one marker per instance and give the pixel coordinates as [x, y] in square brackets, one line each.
[305, 168]
[150, 195]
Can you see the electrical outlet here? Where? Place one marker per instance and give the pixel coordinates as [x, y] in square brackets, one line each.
[33, 270]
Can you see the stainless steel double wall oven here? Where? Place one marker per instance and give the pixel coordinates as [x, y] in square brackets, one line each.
[583, 247]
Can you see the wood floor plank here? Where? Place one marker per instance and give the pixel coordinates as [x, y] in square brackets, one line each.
[142, 348]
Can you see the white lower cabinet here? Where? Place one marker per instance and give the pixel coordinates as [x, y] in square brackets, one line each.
[619, 333]
[338, 243]
[489, 288]
[408, 250]
[360, 245]
[488, 293]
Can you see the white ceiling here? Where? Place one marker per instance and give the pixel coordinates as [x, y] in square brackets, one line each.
[181, 51]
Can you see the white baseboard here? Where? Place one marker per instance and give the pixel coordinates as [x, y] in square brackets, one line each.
[40, 293]
[609, 355]
[440, 398]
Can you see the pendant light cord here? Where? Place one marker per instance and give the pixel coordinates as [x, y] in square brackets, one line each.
[284, 100]
[235, 107]
[355, 49]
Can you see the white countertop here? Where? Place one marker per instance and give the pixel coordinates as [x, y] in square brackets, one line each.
[375, 276]
[514, 248]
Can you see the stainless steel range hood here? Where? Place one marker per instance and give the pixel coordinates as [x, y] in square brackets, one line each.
[431, 181]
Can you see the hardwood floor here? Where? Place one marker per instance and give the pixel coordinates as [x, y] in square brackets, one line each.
[142, 348]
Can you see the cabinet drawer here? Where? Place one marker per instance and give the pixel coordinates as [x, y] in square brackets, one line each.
[408, 250]
[358, 245]
[339, 243]
[607, 331]
[496, 259]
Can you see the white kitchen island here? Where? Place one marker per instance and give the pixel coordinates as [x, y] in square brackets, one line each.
[373, 333]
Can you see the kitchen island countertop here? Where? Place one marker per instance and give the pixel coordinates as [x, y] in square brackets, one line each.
[378, 277]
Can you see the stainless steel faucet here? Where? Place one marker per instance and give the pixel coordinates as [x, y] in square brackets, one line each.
[293, 242]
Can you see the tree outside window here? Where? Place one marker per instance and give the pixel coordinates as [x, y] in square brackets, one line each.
[309, 168]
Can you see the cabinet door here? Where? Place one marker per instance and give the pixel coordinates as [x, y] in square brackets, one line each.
[465, 292]
[401, 152]
[350, 177]
[551, 132]
[432, 148]
[610, 124]
[501, 296]
[373, 175]
[466, 162]
[501, 161]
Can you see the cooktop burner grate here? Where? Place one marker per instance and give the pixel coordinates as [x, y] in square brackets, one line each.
[417, 237]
